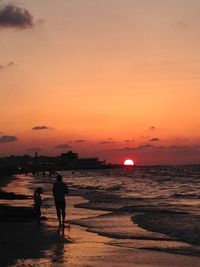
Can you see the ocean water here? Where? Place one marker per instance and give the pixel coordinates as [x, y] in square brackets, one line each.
[146, 203]
[151, 208]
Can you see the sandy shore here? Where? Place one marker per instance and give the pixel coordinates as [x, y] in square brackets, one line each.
[23, 243]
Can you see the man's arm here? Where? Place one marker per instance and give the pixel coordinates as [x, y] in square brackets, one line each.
[66, 190]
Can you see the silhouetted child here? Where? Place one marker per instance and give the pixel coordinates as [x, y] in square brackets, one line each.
[37, 203]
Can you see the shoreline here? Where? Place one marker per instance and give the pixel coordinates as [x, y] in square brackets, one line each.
[26, 244]
[161, 221]
[9, 213]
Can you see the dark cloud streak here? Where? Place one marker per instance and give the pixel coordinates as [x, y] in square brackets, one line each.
[141, 147]
[129, 140]
[43, 127]
[155, 139]
[107, 142]
[7, 139]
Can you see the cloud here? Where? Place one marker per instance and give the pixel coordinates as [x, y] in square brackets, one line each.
[34, 149]
[129, 140]
[10, 64]
[79, 141]
[155, 139]
[15, 17]
[7, 139]
[63, 146]
[178, 149]
[141, 147]
[144, 146]
[107, 142]
[43, 127]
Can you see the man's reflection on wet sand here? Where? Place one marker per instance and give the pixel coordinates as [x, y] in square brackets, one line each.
[58, 251]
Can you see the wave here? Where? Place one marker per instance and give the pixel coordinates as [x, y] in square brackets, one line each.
[183, 227]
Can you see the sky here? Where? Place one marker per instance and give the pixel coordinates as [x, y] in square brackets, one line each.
[114, 79]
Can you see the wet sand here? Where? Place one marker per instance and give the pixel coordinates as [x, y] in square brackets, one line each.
[27, 244]
[24, 244]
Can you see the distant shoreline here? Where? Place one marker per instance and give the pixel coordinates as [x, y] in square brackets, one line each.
[6, 175]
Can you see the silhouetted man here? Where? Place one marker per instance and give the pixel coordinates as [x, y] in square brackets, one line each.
[59, 190]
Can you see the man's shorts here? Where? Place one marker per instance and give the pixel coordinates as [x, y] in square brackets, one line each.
[60, 205]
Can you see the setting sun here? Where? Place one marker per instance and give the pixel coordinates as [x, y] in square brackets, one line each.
[128, 162]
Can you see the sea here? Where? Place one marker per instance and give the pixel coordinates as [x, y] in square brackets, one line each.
[153, 208]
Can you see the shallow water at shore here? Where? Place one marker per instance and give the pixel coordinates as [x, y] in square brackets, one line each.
[141, 209]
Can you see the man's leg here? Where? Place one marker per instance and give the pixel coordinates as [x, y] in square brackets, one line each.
[63, 212]
[57, 204]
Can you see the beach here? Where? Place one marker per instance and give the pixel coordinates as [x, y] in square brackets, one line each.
[106, 224]
[105, 95]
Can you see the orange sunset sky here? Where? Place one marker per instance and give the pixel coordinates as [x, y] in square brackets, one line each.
[106, 78]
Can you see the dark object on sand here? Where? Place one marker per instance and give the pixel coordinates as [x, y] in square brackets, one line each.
[10, 195]
[16, 214]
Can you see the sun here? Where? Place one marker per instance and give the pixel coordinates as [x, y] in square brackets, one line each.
[128, 162]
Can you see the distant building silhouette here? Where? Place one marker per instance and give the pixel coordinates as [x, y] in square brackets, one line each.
[72, 160]
[37, 163]
[69, 159]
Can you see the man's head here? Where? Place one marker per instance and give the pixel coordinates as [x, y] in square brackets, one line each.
[59, 178]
